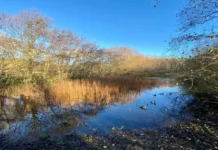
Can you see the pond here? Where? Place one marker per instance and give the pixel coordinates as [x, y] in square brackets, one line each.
[155, 104]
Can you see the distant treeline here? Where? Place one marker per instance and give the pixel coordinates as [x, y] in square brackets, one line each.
[32, 50]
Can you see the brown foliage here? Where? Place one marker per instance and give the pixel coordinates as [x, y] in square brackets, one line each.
[32, 50]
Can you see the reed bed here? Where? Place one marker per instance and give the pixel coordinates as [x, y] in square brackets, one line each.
[79, 91]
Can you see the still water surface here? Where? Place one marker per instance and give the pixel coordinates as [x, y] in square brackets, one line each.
[163, 101]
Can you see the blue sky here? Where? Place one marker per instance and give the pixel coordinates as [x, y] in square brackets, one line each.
[132, 23]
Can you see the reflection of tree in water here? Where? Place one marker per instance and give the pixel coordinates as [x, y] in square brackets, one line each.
[179, 102]
[34, 112]
[55, 115]
[201, 105]
[50, 119]
[11, 109]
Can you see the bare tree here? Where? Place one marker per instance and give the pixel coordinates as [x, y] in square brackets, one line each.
[197, 21]
[24, 37]
[196, 42]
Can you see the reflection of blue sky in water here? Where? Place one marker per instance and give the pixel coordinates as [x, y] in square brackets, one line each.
[132, 117]
[84, 118]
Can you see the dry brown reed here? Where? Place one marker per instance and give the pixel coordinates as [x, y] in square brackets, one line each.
[95, 91]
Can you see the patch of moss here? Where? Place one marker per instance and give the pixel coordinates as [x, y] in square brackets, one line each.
[44, 137]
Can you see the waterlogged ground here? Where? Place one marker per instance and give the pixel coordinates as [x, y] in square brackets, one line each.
[121, 122]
